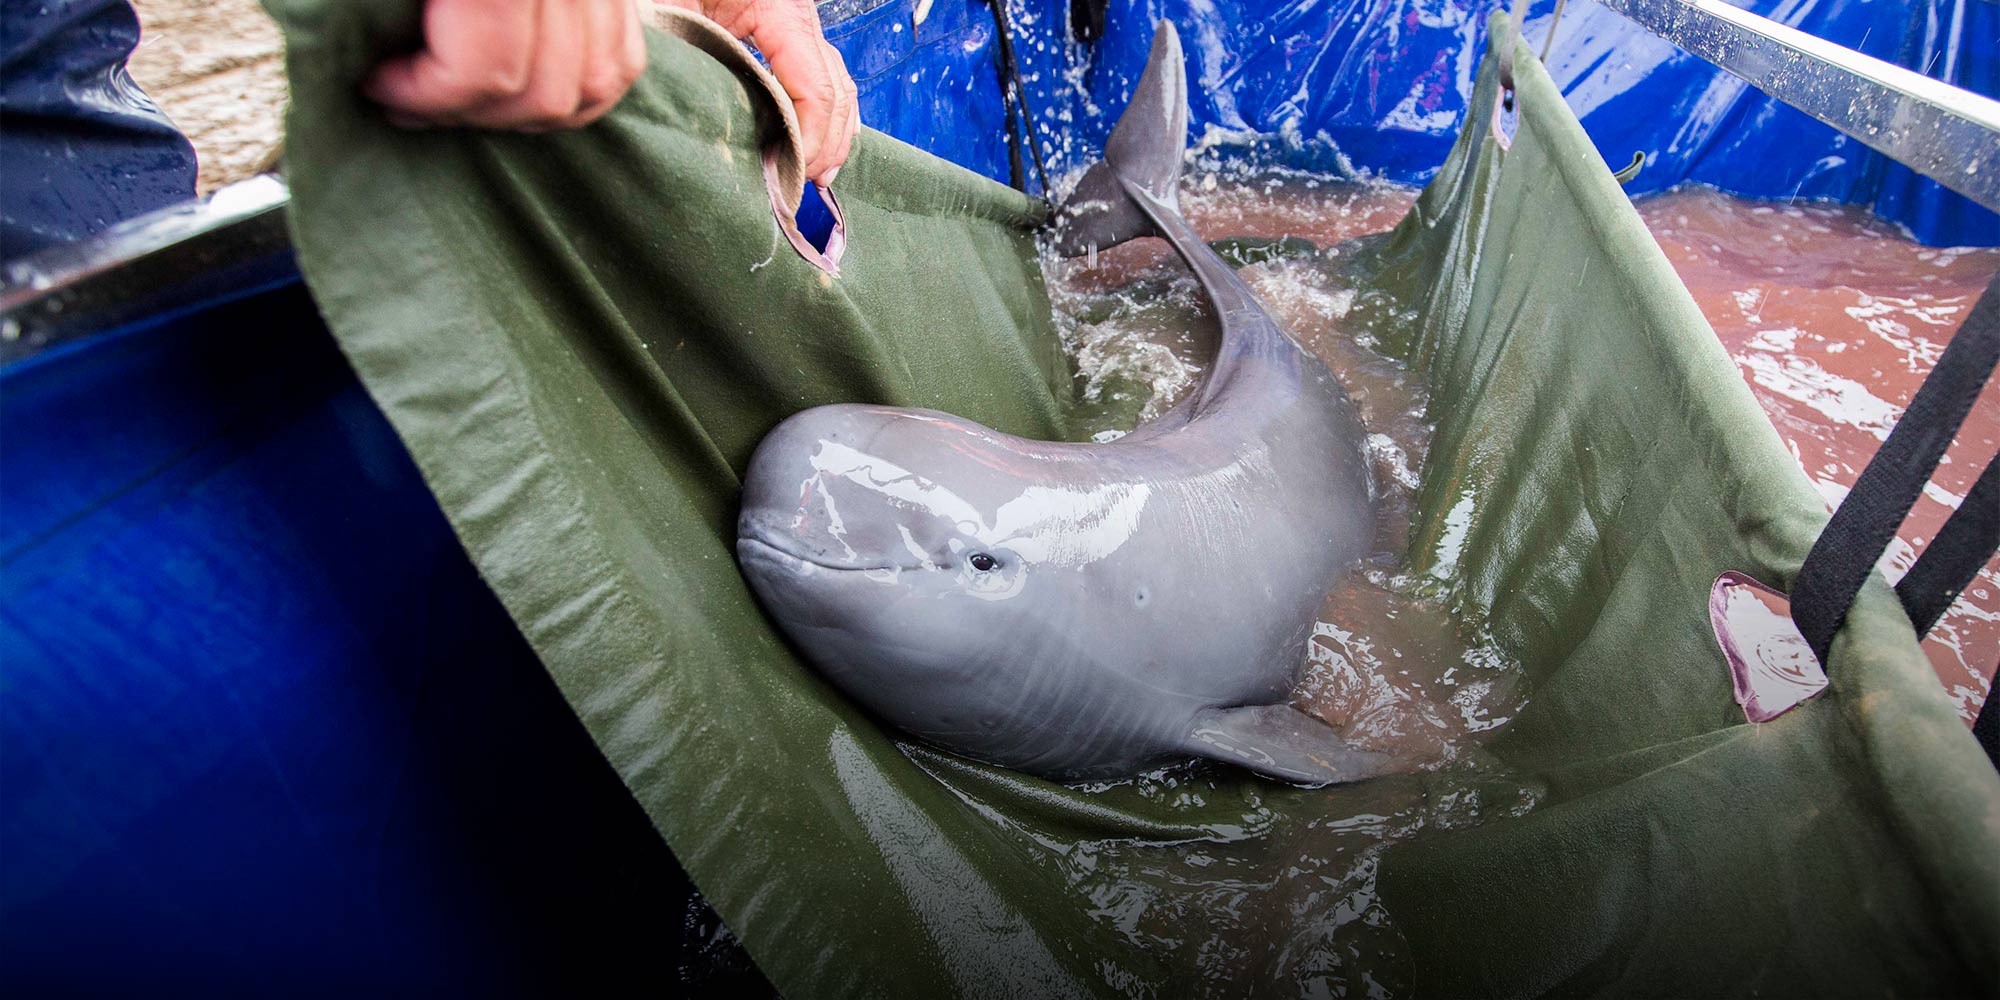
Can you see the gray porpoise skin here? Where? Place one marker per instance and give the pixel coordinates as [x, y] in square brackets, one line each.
[1083, 611]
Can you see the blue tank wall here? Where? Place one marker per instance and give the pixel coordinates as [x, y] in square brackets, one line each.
[263, 730]
[933, 84]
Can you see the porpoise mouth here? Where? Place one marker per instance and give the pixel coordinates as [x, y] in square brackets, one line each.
[748, 545]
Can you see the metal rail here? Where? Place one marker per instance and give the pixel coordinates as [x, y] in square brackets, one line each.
[1945, 133]
[145, 265]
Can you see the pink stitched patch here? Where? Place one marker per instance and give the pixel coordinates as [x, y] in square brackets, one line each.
[1770, 665]
[1503, 122]
[785, 209]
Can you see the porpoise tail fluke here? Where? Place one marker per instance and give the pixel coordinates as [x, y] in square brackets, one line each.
[1143, 155]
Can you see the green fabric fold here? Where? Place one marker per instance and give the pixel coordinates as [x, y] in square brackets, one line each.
[582, 336]
[1616, 464]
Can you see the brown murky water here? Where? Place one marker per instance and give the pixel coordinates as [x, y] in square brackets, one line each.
[1834, 318]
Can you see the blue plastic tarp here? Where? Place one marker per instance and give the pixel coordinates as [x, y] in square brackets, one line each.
[263, 730]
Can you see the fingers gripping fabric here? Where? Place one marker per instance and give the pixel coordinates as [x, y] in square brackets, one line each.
[783, 151]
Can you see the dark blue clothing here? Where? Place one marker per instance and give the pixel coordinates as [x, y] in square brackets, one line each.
[81, 146]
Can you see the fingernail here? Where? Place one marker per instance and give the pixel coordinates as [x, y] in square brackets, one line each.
[830, 175]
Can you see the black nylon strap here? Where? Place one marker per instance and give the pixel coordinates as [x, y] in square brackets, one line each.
[1968, 538]
[1860, 529]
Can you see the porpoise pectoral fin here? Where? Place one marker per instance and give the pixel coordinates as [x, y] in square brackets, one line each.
[1282, 742]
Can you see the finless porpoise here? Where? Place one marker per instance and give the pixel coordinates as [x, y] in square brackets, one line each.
[1084, 611]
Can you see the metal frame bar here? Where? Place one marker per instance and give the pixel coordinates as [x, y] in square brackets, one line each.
[1943, 132]
[153, 262]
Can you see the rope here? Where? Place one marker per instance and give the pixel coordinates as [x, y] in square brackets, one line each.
[1017, 104]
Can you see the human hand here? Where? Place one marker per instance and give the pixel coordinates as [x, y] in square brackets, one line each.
[810, 69]
[532, 65]
[536, 65]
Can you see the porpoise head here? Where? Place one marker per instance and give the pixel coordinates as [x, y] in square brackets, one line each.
[924, 564]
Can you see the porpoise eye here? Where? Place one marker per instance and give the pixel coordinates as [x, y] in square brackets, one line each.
[983, 562]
